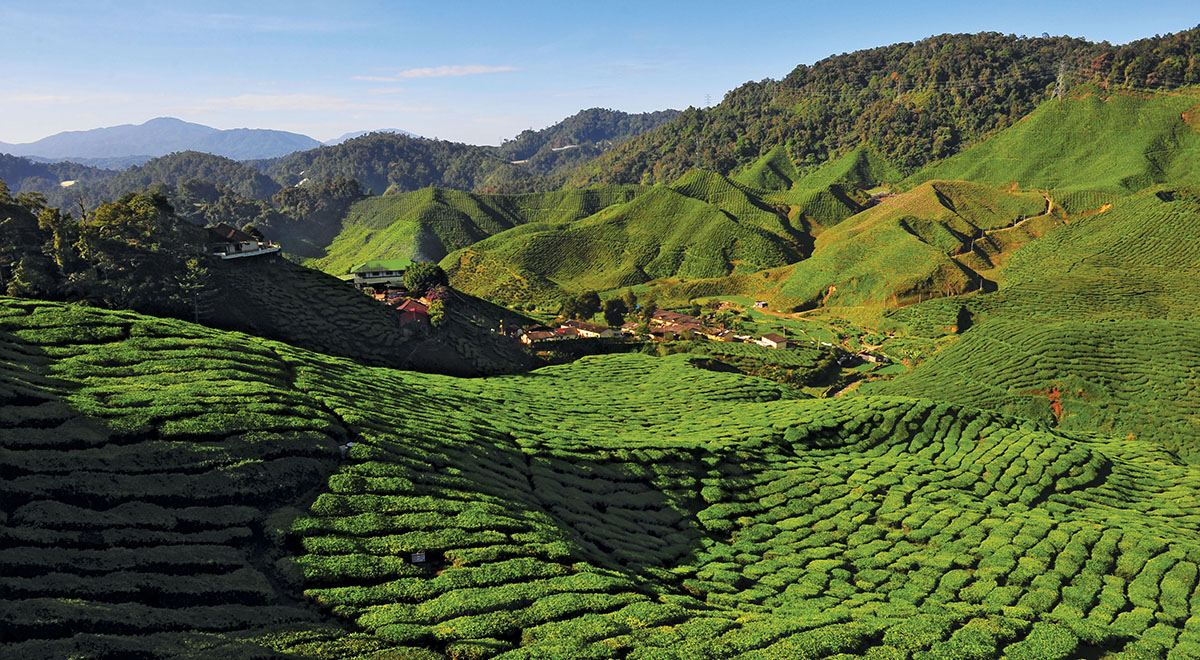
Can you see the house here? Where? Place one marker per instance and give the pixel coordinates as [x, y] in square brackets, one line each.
[760, 304]
[411, 310]
[590, 330]
[772, 340]
[529, 338]
[229, 242]
[717, 334]
[667, 318]
[380, 273]
[876, 359]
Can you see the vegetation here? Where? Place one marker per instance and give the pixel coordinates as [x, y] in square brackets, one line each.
[618, 505]
[914, 102]
[702, 226]
[431, 223]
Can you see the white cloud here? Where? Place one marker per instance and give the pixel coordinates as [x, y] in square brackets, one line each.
[446, 71]
[303, 102]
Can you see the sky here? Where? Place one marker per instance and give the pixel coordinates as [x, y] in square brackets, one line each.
[475, 72]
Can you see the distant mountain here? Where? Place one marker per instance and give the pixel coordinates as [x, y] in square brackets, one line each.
[162, 136]
[358, 134]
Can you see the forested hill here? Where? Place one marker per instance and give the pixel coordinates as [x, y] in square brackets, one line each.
[914, 102]
[400, 163]
[579, 138]
[380, 161]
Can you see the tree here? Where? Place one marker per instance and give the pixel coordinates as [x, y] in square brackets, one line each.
[588, 304]
[193, 285]
[615, 311]
[422, 276]
[696, 310]
[569, 308]
[630, 299]
[649, 306]
[5, 197]
[437, 313]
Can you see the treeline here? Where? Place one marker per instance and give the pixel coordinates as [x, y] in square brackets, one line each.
[144, 250]
[915, 102]
[133, 253]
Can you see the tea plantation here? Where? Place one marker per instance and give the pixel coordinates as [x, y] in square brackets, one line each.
[175, 491]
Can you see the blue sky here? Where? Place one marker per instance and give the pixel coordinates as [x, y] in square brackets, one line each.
[476, 72]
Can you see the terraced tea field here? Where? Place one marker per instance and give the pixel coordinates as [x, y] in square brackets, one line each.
[175, 491]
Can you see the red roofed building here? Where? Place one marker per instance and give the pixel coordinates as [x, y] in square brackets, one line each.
[411, 310]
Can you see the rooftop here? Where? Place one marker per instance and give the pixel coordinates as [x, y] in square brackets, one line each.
[382, 265]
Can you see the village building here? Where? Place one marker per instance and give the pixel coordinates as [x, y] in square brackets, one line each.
[538, 336]
[590, 330]
[718, 334]
[228, 242]
[381, 273]
[772, 340]
[667, 317]
[412, 311]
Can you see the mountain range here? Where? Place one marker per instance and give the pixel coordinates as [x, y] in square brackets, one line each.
[125, 144]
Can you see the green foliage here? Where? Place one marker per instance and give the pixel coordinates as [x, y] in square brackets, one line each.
[615, 310]
[702, 226]
[1110, 142]
[914, 102]
[431, 223]
[422, 276]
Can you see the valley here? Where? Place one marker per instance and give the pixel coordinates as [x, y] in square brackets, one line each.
[897, 357]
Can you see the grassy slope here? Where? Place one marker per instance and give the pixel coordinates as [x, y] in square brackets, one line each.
[902, 248]
[702, 226]
[1101, 311]
[1084, 152]
[1116, 144]
[430, 223]
[1120, 378]
[1128, 262]
[621, 506]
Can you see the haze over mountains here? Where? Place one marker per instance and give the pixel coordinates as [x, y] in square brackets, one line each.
[133, 144]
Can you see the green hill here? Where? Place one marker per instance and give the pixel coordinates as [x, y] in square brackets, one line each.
[702, 226]
[396, 162]
[428, 224]
[1127, 262]
[914, 102]
[175, 491]
[861, 167]
[1120, 378]
[1115, 143]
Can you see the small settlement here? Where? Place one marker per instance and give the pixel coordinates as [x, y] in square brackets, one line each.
[663, 325]
[383, 280]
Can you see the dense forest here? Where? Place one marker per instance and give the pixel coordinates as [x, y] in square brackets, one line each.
[915, 102]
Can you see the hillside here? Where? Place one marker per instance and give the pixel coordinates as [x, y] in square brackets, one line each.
[274, 298]
[395, 162]
[621, 506]
[429, 224]
[1115, 142]
[578, 138]
[702, 226]
[914, 102]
